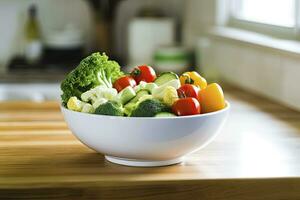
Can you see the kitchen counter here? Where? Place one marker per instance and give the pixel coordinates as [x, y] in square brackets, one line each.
[33, 76]
[256, 156]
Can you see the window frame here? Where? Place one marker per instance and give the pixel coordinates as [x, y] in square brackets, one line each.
[283, 32]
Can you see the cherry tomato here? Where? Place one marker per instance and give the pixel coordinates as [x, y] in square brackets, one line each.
[186, 106]
[123, 82]
[211, 98]
[143, 73]
[188, 90]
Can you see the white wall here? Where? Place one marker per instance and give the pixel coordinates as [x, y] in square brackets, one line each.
[52, 14]
[273, 74]
[199, 15]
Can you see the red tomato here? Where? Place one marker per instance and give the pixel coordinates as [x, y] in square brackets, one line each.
[123, 82]
[143, 73]
[186, 106]
[188, 90]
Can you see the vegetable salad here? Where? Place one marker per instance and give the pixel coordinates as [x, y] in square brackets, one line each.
[98, 86]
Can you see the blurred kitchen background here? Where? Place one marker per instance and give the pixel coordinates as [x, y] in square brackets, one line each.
[251, 44]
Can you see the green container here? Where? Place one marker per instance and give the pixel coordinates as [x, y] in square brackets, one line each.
[171, 58]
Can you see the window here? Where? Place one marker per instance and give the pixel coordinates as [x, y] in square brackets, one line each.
[278, 12]
[266, 16]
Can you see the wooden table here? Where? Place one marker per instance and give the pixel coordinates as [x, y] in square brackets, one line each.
[257, 156]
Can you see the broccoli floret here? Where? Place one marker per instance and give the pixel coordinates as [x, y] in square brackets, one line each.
[129, 107]
[149, 108]
[110, 108]
[92, 71]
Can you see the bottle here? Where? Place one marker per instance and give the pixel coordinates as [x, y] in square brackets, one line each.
[33, 45]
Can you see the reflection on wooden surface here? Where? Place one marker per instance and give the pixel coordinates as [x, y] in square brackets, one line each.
[256, 156]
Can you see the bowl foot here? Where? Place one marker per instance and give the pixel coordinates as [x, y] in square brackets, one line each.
[142, 163]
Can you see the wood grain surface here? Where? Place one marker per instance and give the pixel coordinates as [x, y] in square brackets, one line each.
[256, 156]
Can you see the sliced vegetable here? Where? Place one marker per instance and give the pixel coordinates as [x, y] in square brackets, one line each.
[143, 98]
[124, 82]
[140, 86]
[110, 108]
[128, 108]
[193, 78]
[150, 87]
[159, 91]
[211, 98]
[125, 95]
[149, 108]
[139, 94]
[188, 90]
[186, 106]
[165, 77]
[165, 114]
[131, 105]
[147, 86]
[143, 73]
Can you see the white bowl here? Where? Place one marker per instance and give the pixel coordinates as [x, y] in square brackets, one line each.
[145, 141]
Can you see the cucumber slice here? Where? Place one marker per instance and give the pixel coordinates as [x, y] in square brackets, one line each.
[165, 77]
[126, 95]
[128, 108]
[143, 85]
[132, 103]
[165, 114]
[139, 94]
[150, 87]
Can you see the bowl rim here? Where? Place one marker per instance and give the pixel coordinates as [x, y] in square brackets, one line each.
[152, 118]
